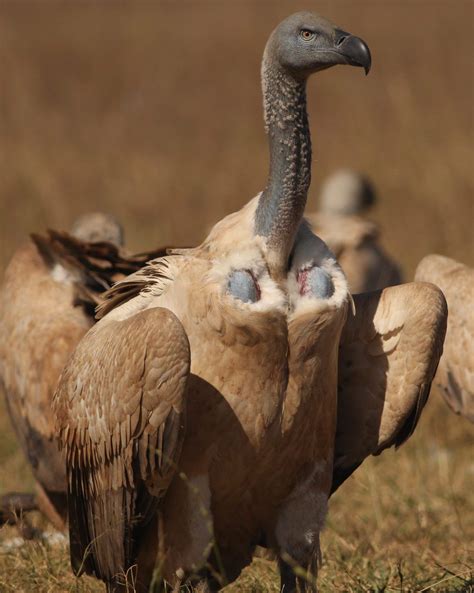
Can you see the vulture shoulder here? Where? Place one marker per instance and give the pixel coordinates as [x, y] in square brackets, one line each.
[455, 375]
[388, 355]
[120, 407]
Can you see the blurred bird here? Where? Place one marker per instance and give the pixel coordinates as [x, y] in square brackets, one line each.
[198, 416]
[455, 375]
[50, 289]
[345, 198]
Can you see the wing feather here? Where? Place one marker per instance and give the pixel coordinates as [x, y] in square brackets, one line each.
[120, 415]
[388, 356]
[95, 265]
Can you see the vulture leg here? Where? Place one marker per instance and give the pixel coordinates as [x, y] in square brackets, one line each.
[53, 505]
[291, 583]
[297, 532]
[287, 577]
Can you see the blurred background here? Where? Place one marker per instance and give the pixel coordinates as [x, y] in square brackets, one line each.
[153, 112]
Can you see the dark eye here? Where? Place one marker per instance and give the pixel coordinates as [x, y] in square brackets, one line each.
[306, 35]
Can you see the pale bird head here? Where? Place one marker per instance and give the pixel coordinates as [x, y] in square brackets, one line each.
[95, 227]
[346, 192]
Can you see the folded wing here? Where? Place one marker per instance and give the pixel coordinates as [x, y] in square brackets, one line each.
[388, 356]
[120, 413]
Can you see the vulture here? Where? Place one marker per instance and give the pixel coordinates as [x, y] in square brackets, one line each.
[198, 416]
[455, 376]
[47, 301]
[340, 221]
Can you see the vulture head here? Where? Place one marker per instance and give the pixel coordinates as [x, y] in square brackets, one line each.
[346, 192]
[306, 43]
[95, 227]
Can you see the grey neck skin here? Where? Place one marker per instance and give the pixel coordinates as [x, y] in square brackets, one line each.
[283, 201]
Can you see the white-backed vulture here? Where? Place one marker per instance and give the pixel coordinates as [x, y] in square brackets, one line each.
[198, 415]
[340, 222]
[455, 376]
[47, 299]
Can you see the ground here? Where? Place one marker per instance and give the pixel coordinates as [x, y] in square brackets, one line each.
[153, 113]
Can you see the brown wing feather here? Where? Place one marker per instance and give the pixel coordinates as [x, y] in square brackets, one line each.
[150, 277]
[96, 265]
[388, 356]
[120, 414]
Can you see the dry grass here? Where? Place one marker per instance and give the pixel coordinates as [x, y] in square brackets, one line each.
[153, 112]
[404, 522]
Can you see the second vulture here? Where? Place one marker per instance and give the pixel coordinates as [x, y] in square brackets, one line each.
[455, 375]
[345, 198]
[47, 302]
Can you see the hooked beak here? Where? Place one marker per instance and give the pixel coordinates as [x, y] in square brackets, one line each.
[352, 50]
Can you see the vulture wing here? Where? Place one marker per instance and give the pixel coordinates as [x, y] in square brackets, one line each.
[388, 356]
[119, 408]
[96, 266]
[455, 375]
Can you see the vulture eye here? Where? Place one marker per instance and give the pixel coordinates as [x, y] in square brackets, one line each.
[242, 285]
[306, 34]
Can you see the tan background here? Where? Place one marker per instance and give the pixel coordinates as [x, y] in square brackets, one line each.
[154, 113]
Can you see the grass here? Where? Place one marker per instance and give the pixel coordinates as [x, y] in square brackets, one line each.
[403, 523]
[153, 112]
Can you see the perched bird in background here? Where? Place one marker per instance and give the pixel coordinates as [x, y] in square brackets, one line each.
[455, 375]
[50, 289]
[345, 198]
[198, 416]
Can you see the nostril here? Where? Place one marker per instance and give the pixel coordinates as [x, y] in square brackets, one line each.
[341, 40]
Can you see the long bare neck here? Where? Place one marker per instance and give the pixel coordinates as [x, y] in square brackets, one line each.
[282, 203]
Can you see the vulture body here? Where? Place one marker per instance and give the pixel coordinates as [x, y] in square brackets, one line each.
[455, 376]
[354, 240]
[198, 416]
[50, 289]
